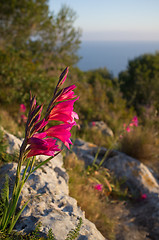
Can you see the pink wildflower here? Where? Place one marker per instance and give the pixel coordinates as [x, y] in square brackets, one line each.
[67, 94]
[22, 108]
[143, 196]
[43, 141]
[64, 112]
[135, 121]
[128, 129]
[93, 124]
[42, 147]
[61, 132]
[98, 187]
[24, 118]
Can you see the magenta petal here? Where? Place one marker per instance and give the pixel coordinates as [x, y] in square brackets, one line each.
[67, 94]
[63, 111]
[62, 132]
[22, 108]
[42, 147]
[40, 135]
[37, 143]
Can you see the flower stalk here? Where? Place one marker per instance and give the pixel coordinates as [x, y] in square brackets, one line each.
[39, 141]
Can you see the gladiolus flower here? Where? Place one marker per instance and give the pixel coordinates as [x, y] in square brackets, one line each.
[61, 132]
[135, 121]
[22, 108]
[98, 187]
[128, 129]
[67, 94]
[42, 147]
[64, 112]
[24, 118]
[43, 141]
[93, 124]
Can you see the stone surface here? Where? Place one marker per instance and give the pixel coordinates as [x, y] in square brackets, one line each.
[14, 143]
[50, 204]
[136, 174]
[138, 221]
[102, 127]
[86, 151]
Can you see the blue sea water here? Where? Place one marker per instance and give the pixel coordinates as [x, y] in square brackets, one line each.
[112, 55]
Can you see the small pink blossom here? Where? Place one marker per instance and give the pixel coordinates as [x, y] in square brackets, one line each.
[67, 94]
[135, 121]
[98, 187]
[93, 124]
[24, 118]
[143, 196]
[22, 108]
[129, 127]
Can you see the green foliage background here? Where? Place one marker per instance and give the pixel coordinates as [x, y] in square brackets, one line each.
[36, 45]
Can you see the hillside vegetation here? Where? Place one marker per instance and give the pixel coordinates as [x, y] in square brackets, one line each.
[35, 46]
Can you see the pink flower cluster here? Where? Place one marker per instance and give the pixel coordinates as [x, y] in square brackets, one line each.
[41, 141]
[98, 187]
[22, 110]
[134, 122]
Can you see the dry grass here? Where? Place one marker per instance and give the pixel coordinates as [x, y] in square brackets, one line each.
[93, 202]
[10, 124]
[142, 144]
[96, 137]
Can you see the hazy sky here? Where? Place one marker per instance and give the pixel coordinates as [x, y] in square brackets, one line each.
[114, 19]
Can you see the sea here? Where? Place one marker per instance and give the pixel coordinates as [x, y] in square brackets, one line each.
[112, 55]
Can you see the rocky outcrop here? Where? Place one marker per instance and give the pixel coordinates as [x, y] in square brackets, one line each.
[50, 204]
[135, 173]
[139, 220]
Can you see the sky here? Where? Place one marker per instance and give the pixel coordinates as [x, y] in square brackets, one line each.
[114, 20]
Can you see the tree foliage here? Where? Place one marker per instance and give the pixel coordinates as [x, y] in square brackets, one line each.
[28, 24]
[34, 45]
[140, 82]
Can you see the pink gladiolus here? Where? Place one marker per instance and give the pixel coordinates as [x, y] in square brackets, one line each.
[135, 121]
[67, 94]
[64, 112]
[42, 147]
[61, 132]
[22, 108]
[42, 141]
[93, 124]
[24, 118]
[128, 129]
[98, 187]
